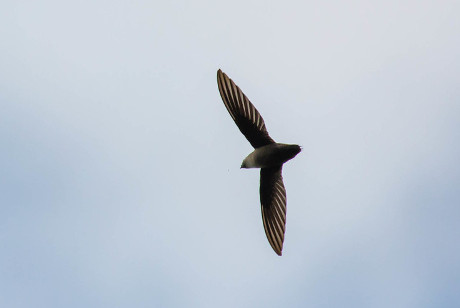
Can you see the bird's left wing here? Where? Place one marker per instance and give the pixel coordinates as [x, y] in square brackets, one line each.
[243, 112]
[273, 201]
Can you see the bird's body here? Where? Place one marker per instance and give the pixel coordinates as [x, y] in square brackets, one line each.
[268, 155]
[271, 155]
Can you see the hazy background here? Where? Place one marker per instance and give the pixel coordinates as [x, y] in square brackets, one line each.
[119, 164]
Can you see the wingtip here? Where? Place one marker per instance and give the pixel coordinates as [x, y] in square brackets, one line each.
[220, 74]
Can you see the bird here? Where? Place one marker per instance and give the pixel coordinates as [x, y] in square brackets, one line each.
[268, 155]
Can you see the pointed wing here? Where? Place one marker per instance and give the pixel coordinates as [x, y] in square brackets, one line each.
[245, 115]
[273, 201]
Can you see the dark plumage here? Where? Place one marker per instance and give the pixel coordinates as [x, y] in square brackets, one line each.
[268, 155]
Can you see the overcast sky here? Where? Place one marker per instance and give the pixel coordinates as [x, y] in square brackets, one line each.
[120, 183]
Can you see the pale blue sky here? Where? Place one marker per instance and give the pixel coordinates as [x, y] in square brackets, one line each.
[119, 165]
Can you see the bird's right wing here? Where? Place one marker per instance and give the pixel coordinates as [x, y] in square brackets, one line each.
[273, 201]
[245, 115]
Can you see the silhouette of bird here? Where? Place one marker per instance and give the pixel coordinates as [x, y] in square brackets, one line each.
[268, 155]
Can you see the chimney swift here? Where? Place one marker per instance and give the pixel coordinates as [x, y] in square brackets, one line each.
[268, 155]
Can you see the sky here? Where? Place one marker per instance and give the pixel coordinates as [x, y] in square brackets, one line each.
[120, 183]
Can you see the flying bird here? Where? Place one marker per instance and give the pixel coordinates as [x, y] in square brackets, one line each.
[268, 155]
